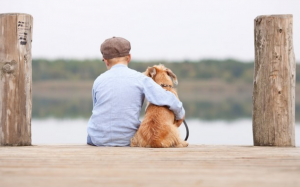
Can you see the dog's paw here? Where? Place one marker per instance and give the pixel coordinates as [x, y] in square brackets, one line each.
[182, 144]
[185, 144]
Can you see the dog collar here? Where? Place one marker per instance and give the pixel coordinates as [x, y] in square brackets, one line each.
[166, 85]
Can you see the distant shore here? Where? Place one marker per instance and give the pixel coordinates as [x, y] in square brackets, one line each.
[209, 89]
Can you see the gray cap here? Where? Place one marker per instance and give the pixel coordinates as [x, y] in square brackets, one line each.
[115, 47]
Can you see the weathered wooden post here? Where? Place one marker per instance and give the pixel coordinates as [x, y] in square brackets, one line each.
[15, 79]
[274, 81]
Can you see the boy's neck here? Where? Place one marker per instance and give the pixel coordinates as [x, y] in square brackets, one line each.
[120, 62]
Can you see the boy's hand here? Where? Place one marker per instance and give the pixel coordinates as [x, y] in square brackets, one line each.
[178, 122]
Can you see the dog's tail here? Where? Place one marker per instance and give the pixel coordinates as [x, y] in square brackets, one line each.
[170, 140]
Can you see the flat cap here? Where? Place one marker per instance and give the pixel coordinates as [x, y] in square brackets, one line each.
[115, 47]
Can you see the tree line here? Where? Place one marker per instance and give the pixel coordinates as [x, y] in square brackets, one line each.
[228, 70]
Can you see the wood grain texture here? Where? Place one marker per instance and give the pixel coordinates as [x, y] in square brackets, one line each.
[196, 165]
[274, 81]
[15, 79]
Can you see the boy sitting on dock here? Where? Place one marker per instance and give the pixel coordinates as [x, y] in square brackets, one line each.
[118, 96]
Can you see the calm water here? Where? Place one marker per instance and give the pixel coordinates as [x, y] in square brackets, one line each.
[73, 131]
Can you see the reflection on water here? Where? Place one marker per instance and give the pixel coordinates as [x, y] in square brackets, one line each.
[61, 108]
[73, 131]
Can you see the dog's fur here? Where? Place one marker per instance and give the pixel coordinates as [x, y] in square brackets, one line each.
[159, 127]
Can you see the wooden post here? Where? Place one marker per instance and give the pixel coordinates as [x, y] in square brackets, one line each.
[274, 81]
[15, 79]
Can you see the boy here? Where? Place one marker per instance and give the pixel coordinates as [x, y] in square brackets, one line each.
[118, 96]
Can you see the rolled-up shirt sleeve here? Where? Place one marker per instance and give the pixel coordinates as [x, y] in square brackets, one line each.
[156, 95]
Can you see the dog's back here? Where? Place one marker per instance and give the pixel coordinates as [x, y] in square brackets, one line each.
[159, 127]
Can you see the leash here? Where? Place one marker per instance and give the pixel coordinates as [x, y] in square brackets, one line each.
[187, 130]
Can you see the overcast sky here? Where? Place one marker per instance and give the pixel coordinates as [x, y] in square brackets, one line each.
[157, 29]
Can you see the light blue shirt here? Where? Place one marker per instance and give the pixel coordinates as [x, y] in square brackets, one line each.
[118, 96]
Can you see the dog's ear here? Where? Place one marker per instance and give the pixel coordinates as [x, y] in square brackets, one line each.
[150, 72]
[172, 75]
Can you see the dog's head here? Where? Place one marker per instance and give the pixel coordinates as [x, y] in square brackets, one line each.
[161, 75]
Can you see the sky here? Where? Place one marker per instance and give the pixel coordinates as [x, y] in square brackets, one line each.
[157, 29]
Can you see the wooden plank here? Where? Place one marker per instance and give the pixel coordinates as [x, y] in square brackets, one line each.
[196, 165]
[274, 81]
[15, 79]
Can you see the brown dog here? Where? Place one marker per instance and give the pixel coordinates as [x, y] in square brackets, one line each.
[159, 127]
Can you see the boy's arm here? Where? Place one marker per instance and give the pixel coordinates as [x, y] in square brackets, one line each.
[156, 95]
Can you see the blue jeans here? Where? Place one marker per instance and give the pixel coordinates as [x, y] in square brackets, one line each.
[89, 141]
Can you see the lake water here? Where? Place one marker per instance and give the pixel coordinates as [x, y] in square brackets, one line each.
[73, 131]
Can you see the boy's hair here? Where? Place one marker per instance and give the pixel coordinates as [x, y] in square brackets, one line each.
[118, 59]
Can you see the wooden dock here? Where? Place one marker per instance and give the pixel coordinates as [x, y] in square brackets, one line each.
[197, 165]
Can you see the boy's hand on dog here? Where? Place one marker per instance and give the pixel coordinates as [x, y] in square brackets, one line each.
[179, 122]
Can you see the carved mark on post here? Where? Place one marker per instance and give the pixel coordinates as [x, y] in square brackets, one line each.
[23, 28]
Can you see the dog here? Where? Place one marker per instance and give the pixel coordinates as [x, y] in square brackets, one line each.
[159, 129]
